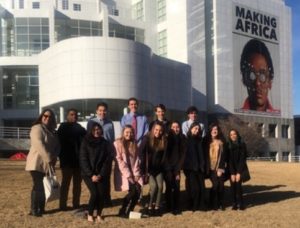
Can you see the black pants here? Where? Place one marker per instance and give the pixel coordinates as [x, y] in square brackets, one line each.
[131, 199]
[96, 200]
[195, 188]
[37, 193]
[217, 190]
[67, 175]
[237, 193]
[172, 191]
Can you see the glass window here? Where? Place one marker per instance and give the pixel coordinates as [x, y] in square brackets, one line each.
[34, 21]
[35, 5]
[35, 38]
[45, 30]
[272, 130]
[84, 24]
[22, 30]
[273, 155]
[45, 21]
[22, 38]
[84, 32]
[162, 43]
[285, 131]
[65, 4]
[138, 11]
[20, 89]
[21, 21]
[21, 4]
[161, 10]
[285, 156]
[34, 30]
[76, 7]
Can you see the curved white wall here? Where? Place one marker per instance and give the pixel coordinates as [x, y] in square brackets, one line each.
[102, 67]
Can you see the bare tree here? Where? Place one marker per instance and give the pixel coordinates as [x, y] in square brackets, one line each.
[250, 133]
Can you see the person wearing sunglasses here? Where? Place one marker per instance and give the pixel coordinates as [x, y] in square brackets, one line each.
[43, 153]
[258, 72]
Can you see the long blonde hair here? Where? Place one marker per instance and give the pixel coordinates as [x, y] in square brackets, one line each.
[131, 145]
[162, 141]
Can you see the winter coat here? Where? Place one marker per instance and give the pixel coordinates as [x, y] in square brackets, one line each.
[125, 169]
[95, 157]
[44, 148]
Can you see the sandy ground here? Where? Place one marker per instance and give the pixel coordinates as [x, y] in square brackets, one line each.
[272, 198]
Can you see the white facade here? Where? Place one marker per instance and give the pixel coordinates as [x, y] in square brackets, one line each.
[111, 68]
[84, 50]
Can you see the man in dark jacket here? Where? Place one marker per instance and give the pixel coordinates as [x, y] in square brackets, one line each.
[70, 135]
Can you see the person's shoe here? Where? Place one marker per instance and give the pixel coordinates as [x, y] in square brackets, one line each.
[122, 213]
[35, 214]
[241, 207]
[157, 212]
[234, 207]
[176, 212]
[222, 208]
[150, 212]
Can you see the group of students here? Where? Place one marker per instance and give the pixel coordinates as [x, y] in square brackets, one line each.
[143, 154]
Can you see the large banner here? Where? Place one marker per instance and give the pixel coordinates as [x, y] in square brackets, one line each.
[256, 61]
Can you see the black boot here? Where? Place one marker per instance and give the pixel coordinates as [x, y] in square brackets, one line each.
[41, 202]
[34, 204]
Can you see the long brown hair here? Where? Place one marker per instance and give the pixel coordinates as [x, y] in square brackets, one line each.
[52, 120]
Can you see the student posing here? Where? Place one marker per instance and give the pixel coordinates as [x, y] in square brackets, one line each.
[173, 161]
[95, 159]
[236, 155]
[214, 147]
[43, 153]
[70, 134]
[152, 153]
[127, 176]
[194, 167]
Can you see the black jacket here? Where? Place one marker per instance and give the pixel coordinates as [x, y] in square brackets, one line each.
[195, 157]
[236, 157]
[175, 152]
[151, 159]
[70, 136]
[95, 157]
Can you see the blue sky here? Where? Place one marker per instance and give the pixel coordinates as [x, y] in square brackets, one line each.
[295, 6]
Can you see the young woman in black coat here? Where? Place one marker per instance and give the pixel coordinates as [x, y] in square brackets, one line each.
[194, 167]
[173, 161]
[236, 155]
[95, 158]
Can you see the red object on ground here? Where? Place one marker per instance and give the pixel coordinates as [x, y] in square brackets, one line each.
[18, 156]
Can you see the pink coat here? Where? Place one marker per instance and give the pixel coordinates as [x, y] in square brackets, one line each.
[122, 171]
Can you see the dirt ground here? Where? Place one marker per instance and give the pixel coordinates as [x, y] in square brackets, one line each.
[272, 198]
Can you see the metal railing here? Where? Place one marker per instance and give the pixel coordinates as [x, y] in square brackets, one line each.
[273, 159]
[14, 132]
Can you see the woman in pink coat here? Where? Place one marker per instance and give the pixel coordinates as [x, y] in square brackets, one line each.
[127, 170]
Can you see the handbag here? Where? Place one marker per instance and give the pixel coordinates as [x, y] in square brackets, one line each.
[51, 186]
[245, 175]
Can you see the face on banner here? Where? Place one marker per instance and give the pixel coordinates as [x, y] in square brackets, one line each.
[256, 62]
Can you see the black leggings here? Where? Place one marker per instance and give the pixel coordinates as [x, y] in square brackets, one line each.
[237, 192]
[217, 190]
[96, 200]
[131, 199]
[172, 190]
[37, 178]
[195, 188]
